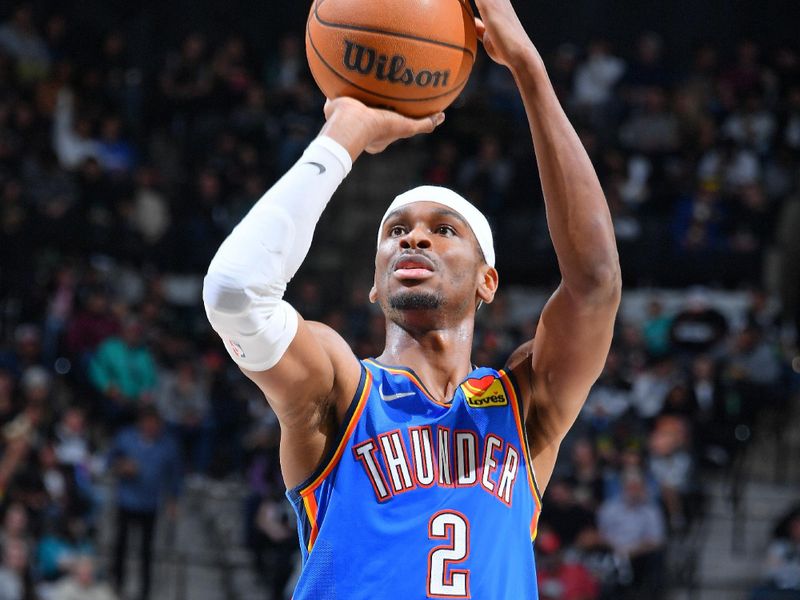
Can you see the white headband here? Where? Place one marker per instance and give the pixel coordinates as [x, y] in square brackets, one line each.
[474, 218]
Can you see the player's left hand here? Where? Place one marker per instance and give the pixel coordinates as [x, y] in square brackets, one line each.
[502, 33]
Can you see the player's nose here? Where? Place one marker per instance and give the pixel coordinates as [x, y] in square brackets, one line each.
[418, 237]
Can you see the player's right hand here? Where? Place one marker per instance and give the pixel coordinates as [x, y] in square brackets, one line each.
[360, 128]
[502, 33]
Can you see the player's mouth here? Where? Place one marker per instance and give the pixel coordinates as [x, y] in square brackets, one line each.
[414, 267]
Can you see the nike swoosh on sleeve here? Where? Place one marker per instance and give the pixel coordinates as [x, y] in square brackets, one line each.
[321, 167]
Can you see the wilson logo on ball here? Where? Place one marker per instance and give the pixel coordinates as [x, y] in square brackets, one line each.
[369, 62]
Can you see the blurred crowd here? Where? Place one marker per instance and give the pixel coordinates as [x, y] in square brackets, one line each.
[782, 565]
[118, 182]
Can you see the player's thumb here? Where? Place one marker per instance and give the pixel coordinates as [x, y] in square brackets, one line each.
[480, 28]
[429, 124]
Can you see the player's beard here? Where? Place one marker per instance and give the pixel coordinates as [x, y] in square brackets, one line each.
[411, 300]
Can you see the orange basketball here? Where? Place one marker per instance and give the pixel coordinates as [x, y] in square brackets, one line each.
[411, 56]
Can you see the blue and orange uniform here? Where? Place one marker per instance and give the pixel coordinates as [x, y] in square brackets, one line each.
[419, 499]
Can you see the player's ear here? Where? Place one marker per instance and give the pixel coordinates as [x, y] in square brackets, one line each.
[487, 286]
[373, 295]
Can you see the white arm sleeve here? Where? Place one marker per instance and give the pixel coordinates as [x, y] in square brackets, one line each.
[247, 278]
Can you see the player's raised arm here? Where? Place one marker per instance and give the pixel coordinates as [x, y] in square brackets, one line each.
[306, 370]
[574, 334]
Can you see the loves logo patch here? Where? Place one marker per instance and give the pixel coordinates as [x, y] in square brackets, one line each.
[484, 392]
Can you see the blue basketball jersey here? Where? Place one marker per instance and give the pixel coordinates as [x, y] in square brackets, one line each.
[420, 499]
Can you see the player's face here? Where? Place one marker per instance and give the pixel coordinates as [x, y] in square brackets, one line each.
[428, 258]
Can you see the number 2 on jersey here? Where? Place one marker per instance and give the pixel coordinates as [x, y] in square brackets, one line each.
[443, 580]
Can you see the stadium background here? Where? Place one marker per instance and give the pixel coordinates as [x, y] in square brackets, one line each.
[127, 154]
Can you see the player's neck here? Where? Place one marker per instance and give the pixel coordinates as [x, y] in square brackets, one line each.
[440, 357]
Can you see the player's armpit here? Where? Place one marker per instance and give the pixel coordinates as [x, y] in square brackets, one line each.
[310, 390]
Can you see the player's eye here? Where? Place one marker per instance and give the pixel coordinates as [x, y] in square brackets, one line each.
[445, 230]
[397, 231]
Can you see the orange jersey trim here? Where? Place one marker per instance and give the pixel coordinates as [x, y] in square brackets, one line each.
[307, 493]
[537, 498]
[362, 402]
[310, 504]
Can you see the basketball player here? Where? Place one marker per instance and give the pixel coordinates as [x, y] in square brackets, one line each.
[414, 474]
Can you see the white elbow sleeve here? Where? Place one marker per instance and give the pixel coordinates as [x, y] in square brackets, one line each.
[257, 330]
[247, 278]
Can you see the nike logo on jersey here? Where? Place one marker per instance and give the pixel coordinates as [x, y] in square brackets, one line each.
[321, 168]
[389, 398]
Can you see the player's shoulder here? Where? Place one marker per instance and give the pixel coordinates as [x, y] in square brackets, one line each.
[346, 367]
[329, 338]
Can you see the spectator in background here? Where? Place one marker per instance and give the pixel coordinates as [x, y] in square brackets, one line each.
[562, 71]
[71, 439]
[596, 77]
[123, 371]
[726, 166]
[19, 436]
[16, 580]
[74, 452]
[20, 39]
[151, 210]
[746, 75]
[655, 128]
[284, 72]
[680, 402]
[699, 327]
[754, 372]
[712, 428]
[559, 579]
[563, 515]
[788, 243]
[672, 465]
[183, 401]
[443, 164]
[186, 83]
[699, 222]
[791, 125]
[8, 407]
[275, 523]
[782, 566]
[73, 142]
[634, 527]
[115, 153]
[755, 360]
[27, 351]
[751, 230]
[751, 126]
[62, 548]
[15, 524]
[82, 584]
[586, 475]
[610, 398]
[93, 323]
[646, 71]
[651, 386]
[146, 462]
[486, 177]
[59, 309]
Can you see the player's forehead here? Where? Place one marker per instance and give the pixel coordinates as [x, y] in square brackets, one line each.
[425, 210]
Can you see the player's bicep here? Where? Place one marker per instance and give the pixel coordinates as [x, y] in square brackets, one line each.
[317, 374]
[568, 354]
